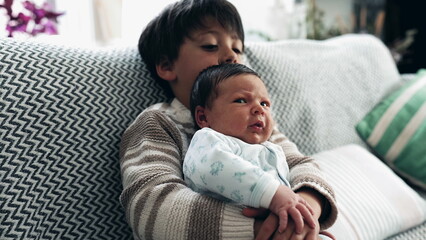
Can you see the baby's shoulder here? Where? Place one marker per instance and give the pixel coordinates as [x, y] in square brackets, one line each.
[209, 135]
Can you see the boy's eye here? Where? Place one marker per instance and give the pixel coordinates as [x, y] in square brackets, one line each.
[209, 47]
[240, 100]
[237, 51]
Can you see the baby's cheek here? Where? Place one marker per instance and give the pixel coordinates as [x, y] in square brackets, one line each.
[270, 129]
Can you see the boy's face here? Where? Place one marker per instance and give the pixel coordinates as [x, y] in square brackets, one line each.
[206, 47]
[241, 109]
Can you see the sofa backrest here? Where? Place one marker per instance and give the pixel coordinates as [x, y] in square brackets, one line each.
[64, 109]
[321, 89]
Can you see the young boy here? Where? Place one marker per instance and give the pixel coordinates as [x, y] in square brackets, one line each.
[230, 157]
[187, 37]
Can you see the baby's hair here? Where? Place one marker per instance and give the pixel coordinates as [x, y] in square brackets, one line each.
[163, 36]
[204, 90]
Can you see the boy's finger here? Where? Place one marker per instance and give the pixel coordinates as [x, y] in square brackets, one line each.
[297, 219]
[268, 227]
[312, 235]
[285, 235]
[255, 212]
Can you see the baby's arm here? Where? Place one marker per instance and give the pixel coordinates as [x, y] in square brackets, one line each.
[306, 175]
[212, 166]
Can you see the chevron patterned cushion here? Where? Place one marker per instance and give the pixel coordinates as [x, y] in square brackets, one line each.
[63, 111]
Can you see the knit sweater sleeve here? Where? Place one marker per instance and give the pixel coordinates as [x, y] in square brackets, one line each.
[157, 203]
[305, 173]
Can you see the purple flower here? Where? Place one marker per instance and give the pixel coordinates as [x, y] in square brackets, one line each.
[8, 6]
[18, 24]
[48, 27]
[44, 19]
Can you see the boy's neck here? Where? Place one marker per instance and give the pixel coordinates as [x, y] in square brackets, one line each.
[182, 97]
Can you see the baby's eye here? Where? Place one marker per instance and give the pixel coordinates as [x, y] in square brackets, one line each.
[209, 47]
[265, 104]
[240, 100]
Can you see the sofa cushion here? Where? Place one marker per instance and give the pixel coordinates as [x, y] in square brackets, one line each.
[396, 130]
[63, 111]
[373, 202]
[321, 89]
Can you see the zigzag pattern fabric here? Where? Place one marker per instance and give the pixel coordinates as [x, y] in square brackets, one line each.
[63, 111]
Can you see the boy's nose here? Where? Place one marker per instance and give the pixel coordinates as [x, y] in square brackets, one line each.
[229, 57]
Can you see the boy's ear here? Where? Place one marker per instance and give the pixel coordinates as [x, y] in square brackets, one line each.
[200, 117]
[165, 70]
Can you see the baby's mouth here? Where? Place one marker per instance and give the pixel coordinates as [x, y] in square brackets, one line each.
[258, 125]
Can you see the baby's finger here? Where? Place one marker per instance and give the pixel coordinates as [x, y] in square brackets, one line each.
[311, 210]
[297, 219]
[283, 221]
[309, 218]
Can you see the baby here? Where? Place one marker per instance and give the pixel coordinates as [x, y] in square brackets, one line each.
[230, 157]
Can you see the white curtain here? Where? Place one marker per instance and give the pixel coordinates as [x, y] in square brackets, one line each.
[107, 21]
[89, 22]
[136, 14]
[76, 26]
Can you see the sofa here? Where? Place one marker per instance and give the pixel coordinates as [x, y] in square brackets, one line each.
[64, 109]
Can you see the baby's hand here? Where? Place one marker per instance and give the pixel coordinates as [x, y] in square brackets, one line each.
[285, 202]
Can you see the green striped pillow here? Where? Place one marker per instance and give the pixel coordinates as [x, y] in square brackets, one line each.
[396, 130]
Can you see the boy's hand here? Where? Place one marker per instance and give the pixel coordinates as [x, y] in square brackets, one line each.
[265, 224]
[307, 232]
[285, 202]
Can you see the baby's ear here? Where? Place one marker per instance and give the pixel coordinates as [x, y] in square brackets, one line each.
[165, 69]
[200, 117]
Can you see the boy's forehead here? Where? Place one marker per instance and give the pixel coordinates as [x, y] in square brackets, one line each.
[201, 33]
[212, 26]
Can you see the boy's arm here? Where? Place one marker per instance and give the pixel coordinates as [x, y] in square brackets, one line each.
[157, 203]
[305, 176]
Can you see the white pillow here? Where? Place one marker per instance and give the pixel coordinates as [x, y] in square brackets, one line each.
[373, 202]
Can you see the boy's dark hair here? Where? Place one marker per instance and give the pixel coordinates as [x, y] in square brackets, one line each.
[204, 90]
[164, 35]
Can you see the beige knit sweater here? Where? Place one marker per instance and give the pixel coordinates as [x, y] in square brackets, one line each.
[158, 204]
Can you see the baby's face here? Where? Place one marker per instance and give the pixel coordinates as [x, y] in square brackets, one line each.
[242, 109]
